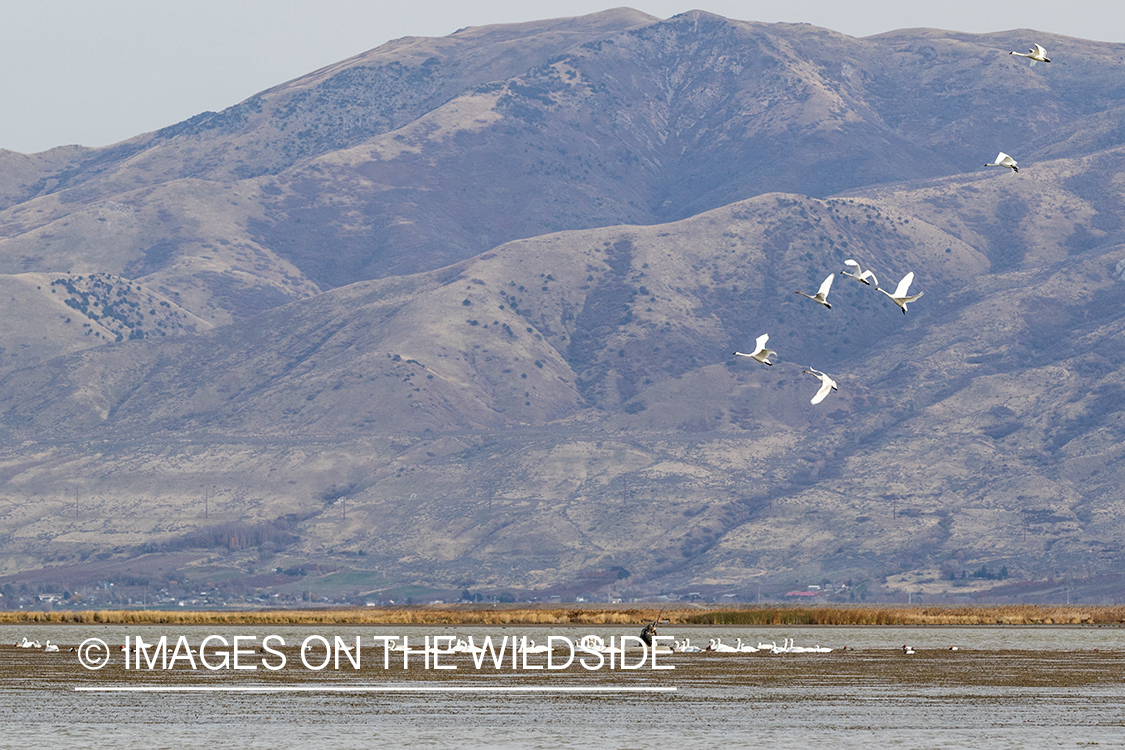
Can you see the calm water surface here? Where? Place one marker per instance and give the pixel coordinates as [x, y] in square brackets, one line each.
[1002, 688]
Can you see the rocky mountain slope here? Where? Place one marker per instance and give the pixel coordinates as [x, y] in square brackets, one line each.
[461, 312]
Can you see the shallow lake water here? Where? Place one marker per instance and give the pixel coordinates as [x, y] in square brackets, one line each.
[1004, 687]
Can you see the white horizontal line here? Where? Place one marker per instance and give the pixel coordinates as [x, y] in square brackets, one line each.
[364, 689]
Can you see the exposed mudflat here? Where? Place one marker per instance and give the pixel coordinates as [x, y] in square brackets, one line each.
[994, 697]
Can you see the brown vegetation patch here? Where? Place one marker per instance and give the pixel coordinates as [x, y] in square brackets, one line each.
[893, 616]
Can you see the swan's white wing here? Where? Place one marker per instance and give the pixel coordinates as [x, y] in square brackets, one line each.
[1000, 158]
[869, 275]
[826, 285]
[850, 262]
[1040, 51]
[904, 285]
[825, 387]
[762, 342]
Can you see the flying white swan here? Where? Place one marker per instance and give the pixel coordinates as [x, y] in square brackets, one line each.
[821, 295]
[826, 384]
[1003, 160]
[900, 296]
[760, 353]
[860, 274]
[1035, 54]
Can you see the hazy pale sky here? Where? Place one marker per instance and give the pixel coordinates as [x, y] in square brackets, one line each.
[96, 72]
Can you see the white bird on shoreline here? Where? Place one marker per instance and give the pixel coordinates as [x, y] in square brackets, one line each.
[592, 643]
[718, 646]
[1035, 54]
[821, 296]
[860, 275]
[50, 647]
[1003, 160]
[760, 353]
[826, 384]
[900, 296]
[528, 647]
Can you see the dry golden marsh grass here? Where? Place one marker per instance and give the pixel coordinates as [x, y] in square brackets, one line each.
[1000, 615]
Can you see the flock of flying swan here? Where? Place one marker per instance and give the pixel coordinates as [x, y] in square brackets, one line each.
[901, 296]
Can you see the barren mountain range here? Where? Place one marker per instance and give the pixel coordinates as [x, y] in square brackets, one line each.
[459, 313]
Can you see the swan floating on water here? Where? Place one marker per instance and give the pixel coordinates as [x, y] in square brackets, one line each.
[50, 647]
[821, 296]
[760, 353]
[718, 646]
[789, 647]
[592, 643]
[1035, 54]
[529, 647]
[900, 296]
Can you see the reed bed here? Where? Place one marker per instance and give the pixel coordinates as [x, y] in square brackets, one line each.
[998, 615]
[920, 615]
[365, 616]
